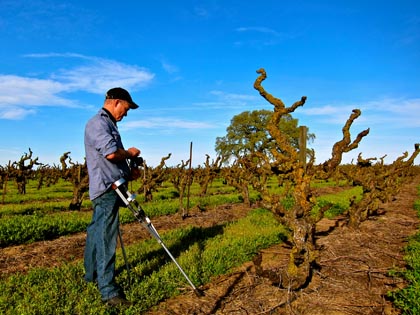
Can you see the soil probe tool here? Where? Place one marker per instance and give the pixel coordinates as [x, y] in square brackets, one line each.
[131, 203]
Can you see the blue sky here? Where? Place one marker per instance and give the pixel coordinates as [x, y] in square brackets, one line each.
[191, 65]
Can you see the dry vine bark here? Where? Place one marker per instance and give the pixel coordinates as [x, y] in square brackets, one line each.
[238, 175]
[380, 183]
[205, 176]
[77, 174]
[354, 278]
[20, 172]
[293, 208]
[153, 178]
[344, 145]
[180, 179]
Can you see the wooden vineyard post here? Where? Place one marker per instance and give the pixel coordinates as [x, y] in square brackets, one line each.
[5, 186]
[189, 179]
[144, 179]
[303, 132]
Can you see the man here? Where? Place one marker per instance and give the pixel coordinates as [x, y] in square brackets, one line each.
[106, 161]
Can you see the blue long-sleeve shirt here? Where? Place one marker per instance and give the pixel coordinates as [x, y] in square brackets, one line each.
[102, 138]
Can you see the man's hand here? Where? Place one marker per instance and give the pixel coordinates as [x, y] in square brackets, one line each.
[133, 152]
[121, 154]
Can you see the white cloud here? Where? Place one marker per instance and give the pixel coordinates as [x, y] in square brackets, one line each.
[15, 113]
[258, 29]
[393, 112]
[168, 67]
[98, 74]
[52, 54]
[165, 123]
[18, 94]
[324, 110]
[399, 106]
[103, 74]
[234, 96]
[15, 90]
[330, 114]
[200, 11]
[260, 35]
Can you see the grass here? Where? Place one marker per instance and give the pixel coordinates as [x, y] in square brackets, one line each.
[60, 190]
[36, 220]
[408, 299]
[340, 202]
[26, 229]
[204, 253]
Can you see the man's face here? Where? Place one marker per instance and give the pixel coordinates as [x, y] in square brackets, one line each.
[121, 109]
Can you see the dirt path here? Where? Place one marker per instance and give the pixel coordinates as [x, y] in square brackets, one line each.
[353, 276]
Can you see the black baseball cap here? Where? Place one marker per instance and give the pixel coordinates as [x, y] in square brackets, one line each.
[119, 93]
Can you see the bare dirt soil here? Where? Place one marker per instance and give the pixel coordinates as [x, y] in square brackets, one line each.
[353, 275]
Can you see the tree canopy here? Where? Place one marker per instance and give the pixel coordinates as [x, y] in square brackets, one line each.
[247, 134]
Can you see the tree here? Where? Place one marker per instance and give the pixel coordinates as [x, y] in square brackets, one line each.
[248, 134]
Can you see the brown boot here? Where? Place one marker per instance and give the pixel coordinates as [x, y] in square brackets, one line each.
[118, 301]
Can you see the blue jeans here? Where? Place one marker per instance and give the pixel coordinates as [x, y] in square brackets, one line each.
[101, 243]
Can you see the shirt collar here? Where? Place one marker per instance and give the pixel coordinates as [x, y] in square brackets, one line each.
[109, 115]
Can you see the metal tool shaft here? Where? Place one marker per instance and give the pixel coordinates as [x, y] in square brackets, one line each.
[131, 203]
